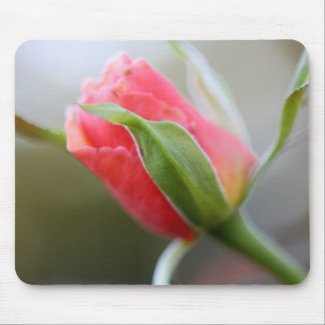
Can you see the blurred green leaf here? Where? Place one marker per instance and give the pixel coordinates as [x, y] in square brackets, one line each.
[33, 132]
[209, 91]
[289, 114]
[176, 164]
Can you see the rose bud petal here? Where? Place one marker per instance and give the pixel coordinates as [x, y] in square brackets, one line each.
[110, 152]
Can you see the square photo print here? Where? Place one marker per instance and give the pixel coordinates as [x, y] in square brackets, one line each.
[162, 162]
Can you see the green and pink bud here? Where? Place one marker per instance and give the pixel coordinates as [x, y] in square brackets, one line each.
[111, 152]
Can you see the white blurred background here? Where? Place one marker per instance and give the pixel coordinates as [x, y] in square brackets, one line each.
[68, 230]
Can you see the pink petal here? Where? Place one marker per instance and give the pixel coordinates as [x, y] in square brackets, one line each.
[142, 77]
[113, 71]
[232, 160]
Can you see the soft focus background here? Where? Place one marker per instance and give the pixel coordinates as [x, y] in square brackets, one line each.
[69, 229]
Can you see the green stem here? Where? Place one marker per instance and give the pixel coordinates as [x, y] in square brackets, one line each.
[168, 261]
[33, 132]
[246, 239]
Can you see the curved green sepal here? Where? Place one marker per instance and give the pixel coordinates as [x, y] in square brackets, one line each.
[169, 260]
[289, 114]
[176, 164]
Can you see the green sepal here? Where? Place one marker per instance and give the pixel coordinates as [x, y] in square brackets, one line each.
[177, 165]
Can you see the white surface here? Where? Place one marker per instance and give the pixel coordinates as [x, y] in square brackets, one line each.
[97, 19]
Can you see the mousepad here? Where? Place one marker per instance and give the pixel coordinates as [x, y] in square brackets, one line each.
[162, 162]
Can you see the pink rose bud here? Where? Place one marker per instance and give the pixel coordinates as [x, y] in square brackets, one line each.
[110, 152]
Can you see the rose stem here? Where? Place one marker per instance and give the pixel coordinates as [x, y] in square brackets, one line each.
[245, 238]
